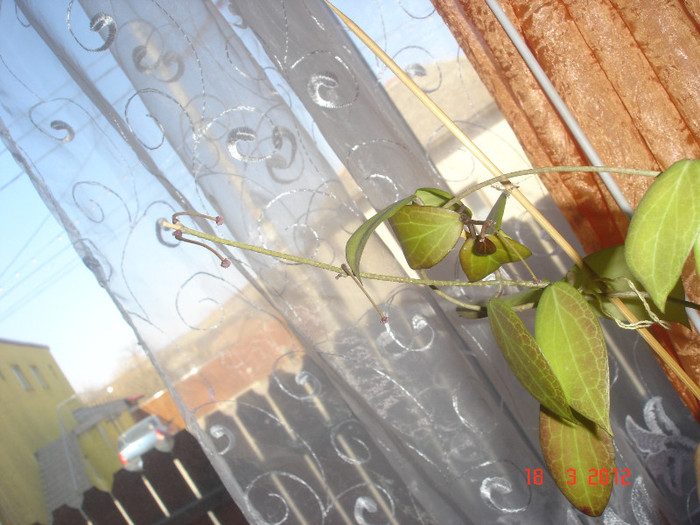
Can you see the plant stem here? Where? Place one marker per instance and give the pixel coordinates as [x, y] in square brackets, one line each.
[548, 169]
[359, 284]
[338, 269]
[447, 297]
[660, 350]
[635, 295]
[252, 248]
[433, 282]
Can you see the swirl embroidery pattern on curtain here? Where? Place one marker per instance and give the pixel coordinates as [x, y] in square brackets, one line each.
[268, 114]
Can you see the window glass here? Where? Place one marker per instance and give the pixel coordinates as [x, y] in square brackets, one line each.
[40, 379]
[20, 377]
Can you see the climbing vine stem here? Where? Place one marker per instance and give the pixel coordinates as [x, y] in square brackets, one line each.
[181, 230]
[548, 169]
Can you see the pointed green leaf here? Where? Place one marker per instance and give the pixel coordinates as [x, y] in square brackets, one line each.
[525, 358]
[581, 459]
[426, 234]
[610, 264]
[432, 196]
[496, 213]
[357, 241]
[664, 228]
[437, 198]
[571, 339]
[523, 300]
[527, 298]
[471, 313]
[510, 250]
[476, 266]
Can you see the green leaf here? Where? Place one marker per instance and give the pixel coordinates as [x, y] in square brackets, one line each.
[525, 358]
[527, 298]
[357, 241]
[664, 228]
[426, 234]
[581, 459]
[476, 266]
[496, 213]
[610, 264]
[470, 313]
[437, 198]
[523, 300]
[571, 339]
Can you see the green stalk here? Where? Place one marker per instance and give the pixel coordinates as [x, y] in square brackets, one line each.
[339, 270]
[548, 169]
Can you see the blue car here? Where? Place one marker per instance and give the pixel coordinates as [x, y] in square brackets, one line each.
[149, 433]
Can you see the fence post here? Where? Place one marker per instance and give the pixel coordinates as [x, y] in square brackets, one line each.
[101, 509]
[135, 498]
[65, 515]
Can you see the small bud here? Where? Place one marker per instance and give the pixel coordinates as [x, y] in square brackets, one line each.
[225, 263]
[178, 234]
[484, 246]
[219, 220]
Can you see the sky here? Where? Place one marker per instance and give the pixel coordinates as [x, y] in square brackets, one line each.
[48, 296]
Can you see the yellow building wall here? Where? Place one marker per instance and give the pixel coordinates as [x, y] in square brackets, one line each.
[29, 422]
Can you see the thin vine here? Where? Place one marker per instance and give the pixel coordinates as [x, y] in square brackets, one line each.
[180, 230]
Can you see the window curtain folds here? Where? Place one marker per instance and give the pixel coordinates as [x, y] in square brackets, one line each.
[268, 113]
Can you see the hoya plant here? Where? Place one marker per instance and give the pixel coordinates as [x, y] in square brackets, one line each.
[564, 364]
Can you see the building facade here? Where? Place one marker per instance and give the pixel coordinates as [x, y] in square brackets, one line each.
[52, 448]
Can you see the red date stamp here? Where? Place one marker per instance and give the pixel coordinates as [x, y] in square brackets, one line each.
[592, 477]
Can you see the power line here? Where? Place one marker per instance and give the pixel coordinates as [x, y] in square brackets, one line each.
[41, 288]
[16, 177]
[40, 254]
[25, 245]
[38, 269]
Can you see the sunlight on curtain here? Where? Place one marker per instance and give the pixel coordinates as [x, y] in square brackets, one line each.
[269, 114]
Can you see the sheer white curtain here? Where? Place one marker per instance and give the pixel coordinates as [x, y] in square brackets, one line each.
[266, 112]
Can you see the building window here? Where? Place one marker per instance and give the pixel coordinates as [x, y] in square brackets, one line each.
[20, 377]
[40, 379]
